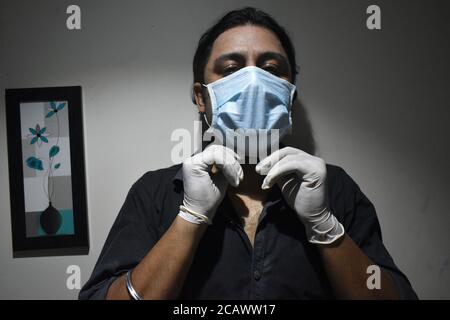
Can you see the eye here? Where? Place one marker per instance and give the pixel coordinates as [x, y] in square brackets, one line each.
[229, 70]
[272, 69]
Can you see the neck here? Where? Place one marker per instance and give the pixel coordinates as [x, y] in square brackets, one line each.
[250, 186]
[248, 197]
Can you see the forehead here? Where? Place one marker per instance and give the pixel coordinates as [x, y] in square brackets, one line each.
[248, 39]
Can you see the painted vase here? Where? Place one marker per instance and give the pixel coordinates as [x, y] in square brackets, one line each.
[50, 220]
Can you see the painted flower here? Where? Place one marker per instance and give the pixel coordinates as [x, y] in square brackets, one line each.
[54, 108]
[38, 135]
[34, 163]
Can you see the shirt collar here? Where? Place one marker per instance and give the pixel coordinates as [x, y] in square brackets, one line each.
[274, 199]
[273, 202]
[179, 175]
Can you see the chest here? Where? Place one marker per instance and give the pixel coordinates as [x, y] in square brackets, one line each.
[249, 211]
[281, 264]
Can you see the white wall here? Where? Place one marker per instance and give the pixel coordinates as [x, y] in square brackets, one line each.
[377, 102]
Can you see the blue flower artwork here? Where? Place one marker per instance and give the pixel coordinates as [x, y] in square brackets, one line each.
[50, 219]
[54, 108]
[38, 135]
[34, 163]
[46, 167]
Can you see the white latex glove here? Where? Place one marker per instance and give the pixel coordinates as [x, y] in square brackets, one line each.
[302, 179]
[203, 190]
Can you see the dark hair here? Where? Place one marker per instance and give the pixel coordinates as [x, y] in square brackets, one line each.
[237, 18]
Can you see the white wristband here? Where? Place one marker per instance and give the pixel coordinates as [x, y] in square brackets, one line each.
[192, 216]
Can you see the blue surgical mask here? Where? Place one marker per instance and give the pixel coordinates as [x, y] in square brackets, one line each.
[251, 98]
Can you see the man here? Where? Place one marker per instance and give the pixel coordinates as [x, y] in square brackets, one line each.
[218, 227]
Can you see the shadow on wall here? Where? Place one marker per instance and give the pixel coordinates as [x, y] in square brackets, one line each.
[302, 134]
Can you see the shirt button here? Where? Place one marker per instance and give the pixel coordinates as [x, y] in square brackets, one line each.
[257, 275]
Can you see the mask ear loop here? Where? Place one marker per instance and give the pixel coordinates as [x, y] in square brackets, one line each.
[206, 120]
[204, 113]
[294, 96]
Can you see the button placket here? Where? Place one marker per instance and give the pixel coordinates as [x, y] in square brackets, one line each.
[257, 265]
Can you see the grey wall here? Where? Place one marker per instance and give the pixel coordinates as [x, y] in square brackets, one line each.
[376, 102]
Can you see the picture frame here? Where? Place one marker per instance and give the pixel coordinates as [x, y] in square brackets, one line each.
[47, 171]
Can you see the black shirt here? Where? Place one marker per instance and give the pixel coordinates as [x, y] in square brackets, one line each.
[281, 265]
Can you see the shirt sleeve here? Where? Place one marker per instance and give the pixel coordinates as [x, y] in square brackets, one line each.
[130, 238]
[361, 224]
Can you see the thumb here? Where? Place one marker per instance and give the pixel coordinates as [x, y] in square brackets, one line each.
[289, 185]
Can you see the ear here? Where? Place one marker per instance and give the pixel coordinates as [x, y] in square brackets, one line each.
[198, 98]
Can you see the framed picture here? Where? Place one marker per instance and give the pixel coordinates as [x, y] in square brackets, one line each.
[46, 171]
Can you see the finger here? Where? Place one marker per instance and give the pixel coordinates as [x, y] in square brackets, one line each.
[218, 181]
[230, 167]
[289, 185]
[267, 163]
[289, 164]
[283, 167]
[226, 161]
[209, 157]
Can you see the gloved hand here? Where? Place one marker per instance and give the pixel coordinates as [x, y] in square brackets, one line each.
[203, 190]
[302, 179]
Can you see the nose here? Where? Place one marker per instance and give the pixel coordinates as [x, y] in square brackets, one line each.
[253, 76]
[251, 59]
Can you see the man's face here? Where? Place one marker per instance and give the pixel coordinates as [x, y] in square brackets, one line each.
[240, 47]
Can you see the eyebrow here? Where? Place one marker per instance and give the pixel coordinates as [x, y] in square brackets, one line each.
[236, 56]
